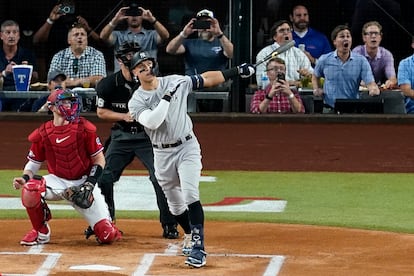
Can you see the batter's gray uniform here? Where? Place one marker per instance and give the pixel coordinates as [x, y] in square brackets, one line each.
[162, 109]
[177, 154]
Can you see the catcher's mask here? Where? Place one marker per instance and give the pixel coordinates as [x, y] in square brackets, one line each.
[126, 50]
[141, 57]
[67, 102]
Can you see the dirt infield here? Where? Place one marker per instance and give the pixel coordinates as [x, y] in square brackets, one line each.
[234, 248]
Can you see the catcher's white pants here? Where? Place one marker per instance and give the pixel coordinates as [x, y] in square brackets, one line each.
[178, 171]
[98, 210]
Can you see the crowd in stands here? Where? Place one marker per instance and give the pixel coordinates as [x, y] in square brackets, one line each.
[333, 68]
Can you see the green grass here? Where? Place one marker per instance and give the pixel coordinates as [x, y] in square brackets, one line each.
[355, 200]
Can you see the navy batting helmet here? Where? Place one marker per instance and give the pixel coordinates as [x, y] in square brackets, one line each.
[140, 57]
[124, 49]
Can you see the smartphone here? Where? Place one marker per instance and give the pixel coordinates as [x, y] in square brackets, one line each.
[67, 9]
[133, 11]
[280, 76]
[201, 25]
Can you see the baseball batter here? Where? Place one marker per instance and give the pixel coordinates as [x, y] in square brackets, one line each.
[128, 138]
[160, 105]
[75, 160]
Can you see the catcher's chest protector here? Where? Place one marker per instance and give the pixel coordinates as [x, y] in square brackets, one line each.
[65, 149]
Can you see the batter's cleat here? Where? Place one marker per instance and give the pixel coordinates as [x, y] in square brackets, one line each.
[170, 231]
[197, 258]
[34, 237]
[187, 245]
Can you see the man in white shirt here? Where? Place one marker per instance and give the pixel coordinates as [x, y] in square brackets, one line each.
[297, 63]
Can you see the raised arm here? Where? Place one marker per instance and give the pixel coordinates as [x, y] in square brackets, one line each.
[42, 34]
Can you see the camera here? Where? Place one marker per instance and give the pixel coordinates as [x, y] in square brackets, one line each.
[201, 25]
[280, 76]
[67, 9]
[133, 10]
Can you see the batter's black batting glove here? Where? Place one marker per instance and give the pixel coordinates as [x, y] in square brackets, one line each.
[246, 70]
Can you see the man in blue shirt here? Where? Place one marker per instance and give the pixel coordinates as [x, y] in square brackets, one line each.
[11, 53]
[314, 42]
[209, 50]
[343, 71]
[134, 15]
[405, 78]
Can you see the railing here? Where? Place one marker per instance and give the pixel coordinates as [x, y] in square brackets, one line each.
[207, 95]
[31, 94]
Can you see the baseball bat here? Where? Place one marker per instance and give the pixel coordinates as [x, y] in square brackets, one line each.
[277, 52]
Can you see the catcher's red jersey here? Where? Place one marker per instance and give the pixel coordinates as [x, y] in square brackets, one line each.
[67, 149]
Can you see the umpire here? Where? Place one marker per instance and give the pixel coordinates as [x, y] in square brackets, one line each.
[128, 138]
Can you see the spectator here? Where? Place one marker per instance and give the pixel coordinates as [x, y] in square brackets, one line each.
[315, 43]
[55, 29]
[296, 61]
[128, 138]
[74, 161]
[342, 71]
[55, 80]
[210, 50]
[11, 53]
[134, 16]
[81, 63]
[277, 96]
[380, 59]
[406, 80]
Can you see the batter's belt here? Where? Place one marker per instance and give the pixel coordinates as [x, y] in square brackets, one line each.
[173, 145]
[130, 128]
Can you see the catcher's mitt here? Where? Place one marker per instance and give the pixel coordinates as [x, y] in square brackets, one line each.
[81, 195]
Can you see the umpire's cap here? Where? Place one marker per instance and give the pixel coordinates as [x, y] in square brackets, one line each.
[127, 47]
[140, 57]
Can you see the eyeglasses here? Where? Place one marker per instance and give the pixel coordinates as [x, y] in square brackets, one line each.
[281, 31]
[372, 33]
[75, 66]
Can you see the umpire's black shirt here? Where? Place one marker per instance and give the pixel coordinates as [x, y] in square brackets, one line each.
[114, 92]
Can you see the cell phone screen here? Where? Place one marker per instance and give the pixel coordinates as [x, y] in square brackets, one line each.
[201, 25]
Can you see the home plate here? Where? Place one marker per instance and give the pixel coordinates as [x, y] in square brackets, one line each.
[95, 267]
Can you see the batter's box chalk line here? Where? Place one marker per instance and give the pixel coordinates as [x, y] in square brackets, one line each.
[44, 269]
[272, 269]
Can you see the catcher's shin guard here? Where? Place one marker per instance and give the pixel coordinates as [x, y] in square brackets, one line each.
[106, 232]
[36, 207]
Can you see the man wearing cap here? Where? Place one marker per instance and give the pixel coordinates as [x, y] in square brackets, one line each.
[210, 50]
[56, 79]
[134, 15]
[160, 105]
[128, 138]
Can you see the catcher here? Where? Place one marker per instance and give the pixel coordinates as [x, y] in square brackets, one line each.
[75, 159]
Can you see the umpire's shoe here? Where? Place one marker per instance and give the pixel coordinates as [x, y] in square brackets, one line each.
[170, 231]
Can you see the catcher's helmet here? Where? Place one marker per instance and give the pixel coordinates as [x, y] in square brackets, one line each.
[124, 49]
[59, 98]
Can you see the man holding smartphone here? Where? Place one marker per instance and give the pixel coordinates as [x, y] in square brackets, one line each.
[134, 16]
[209, 51]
